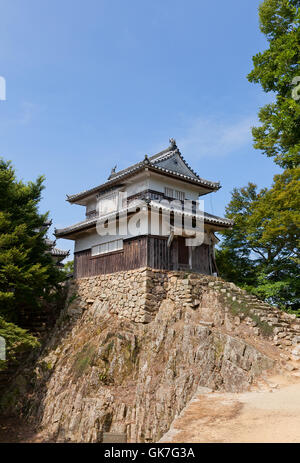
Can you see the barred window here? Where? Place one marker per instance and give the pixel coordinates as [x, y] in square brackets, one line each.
[169, 192]
[110, 246]
[180, 195]
[176, 194]
[109, 203]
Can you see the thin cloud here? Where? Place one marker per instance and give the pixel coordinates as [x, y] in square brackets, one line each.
[28, 112]
[211, 137]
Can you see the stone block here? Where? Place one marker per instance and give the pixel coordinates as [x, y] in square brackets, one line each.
[114, 438]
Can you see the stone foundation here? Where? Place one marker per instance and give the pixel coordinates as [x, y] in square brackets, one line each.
[136, 346]
[136, 295]
[125, 294]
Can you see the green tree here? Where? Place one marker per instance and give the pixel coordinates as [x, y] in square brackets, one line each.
[28, 275]
[68, 267]
[261, 252]
[275, 68]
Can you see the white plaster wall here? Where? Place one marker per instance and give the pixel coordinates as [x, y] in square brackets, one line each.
[137, 187]
[151, 182]
[159, 184]
[86, 242]
[91, 205]
[137, 225]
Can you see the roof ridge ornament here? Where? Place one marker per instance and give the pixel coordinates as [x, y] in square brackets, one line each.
[152, 161]
[113, 172]
[173, 143]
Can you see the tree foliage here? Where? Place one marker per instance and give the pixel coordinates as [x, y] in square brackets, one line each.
[279, 133]
[28, 274]
[68, 267]
[261, 252]
[17, 340]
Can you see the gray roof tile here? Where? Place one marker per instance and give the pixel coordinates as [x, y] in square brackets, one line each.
[169, 161]
[59, 252]
[208, 218]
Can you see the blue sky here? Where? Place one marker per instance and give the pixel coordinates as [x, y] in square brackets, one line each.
[94, 83]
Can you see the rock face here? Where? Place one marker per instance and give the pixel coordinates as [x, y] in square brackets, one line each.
[137, 294]
[110, 369]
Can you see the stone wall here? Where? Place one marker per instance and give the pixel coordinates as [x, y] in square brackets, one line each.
[136, 295]
[125, 293]
[136, 345]
[108, 374]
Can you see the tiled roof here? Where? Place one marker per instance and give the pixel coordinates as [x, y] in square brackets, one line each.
[214, 218]
[76, 227]
[59, 252]
[208, 218]
[55, 251]
[49, 242]
[159, 162]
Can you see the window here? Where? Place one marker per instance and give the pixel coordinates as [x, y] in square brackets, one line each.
[169, 192]
[176, 194]
[110, 246]
[179, 195]
[108, 204]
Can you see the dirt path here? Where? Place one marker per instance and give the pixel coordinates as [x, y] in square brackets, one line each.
[13, 430]
[271, 413]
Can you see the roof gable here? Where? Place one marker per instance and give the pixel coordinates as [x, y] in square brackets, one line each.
[169, 161]
[175, 163]
[90, 223]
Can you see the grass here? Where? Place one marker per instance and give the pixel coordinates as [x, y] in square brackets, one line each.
[84, 360]
[240, 309]
[105, 378]
[46, 366]
[72, 298]
[219, 350]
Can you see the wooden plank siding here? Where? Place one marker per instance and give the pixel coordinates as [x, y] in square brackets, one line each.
[133, 255]
[183, 251]
[145, 251]
[158, 253]
[202, 260]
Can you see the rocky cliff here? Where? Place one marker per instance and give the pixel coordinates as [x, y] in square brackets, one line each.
[103, 371]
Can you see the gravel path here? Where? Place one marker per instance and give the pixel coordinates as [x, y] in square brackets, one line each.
[271, 413]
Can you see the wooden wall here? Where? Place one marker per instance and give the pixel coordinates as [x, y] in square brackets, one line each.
[133, 255]
[158, 253]
[201, 259]
[145, 251]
